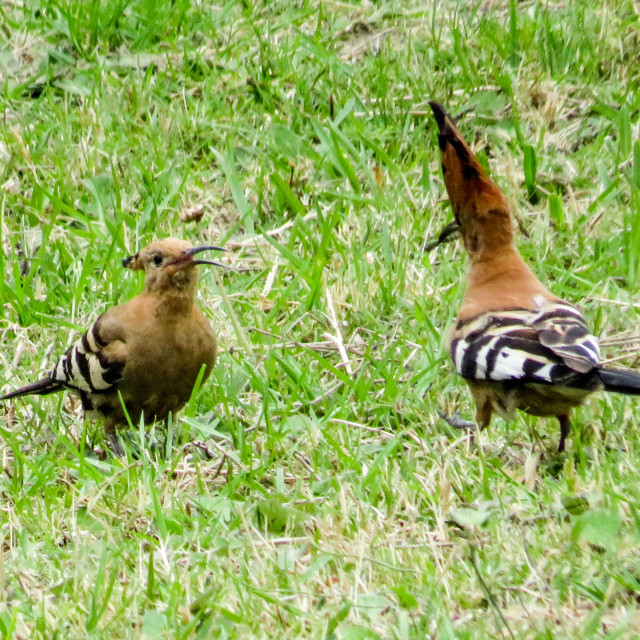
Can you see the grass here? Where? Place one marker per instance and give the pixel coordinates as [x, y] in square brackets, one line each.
[323, 497]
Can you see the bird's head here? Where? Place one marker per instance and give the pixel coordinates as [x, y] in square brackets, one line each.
[169, 264]
[481, 211]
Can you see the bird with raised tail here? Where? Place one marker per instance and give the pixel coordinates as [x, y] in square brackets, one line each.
[516, 344]
[141, 358]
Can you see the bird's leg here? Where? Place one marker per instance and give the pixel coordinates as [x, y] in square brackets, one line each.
[483, 414]
[170, 432]
[112, 439]
[165, 437]
[565, 428]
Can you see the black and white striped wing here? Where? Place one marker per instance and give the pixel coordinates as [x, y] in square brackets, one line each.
[85, 366]
[550, 344]
[562, 329]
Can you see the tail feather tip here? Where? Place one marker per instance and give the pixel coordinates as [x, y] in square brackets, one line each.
[624, 381]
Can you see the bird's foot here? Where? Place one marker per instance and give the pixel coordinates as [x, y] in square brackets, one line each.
[458, 422]
[116, 441]
[115, 444]
[202, 447]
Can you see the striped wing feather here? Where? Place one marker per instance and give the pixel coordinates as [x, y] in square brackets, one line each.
[570, 339]
[548, 345]
[85, 365]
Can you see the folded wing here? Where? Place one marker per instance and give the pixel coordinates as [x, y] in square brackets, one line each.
[550, 344]
[90, 365]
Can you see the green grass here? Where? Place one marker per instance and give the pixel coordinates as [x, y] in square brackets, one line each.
[327, 500]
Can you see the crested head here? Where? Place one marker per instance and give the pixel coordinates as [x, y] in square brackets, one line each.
[480, 209]
[169, 265]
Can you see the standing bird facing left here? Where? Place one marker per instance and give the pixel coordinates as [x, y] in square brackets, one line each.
[143, 356]
[517, 345]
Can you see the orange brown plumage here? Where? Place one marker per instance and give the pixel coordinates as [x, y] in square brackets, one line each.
[145, 354]
[517, 345]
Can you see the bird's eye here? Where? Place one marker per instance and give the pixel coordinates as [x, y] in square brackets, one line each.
[157, 260]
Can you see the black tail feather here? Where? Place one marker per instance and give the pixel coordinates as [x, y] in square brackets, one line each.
[621, 381]
[41, 388]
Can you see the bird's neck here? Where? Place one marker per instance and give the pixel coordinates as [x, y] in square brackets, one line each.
[488, 234]
[174, 303]
[494, 249]
[500, 280]
[173, 297]
[503, 260]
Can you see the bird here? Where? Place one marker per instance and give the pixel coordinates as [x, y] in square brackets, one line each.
[516, 344]
[140, 359]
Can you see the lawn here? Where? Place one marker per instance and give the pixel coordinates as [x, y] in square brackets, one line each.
[309, 489]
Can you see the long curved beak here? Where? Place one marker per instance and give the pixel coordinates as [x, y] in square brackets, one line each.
[194, 250]
[450, 232]
[185, 262]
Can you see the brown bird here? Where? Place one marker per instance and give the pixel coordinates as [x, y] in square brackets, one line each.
[517, 345]
[145, 355]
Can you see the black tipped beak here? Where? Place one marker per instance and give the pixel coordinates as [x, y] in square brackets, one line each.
[127, 261]
[184, 259]
[440, 114]
[450, 232]
[194, 250]
[215, 264]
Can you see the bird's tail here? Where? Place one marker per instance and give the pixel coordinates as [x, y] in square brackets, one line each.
[41, 388]
[621, 381]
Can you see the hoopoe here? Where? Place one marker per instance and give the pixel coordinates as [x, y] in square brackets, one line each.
[516, 344]
[143, 356]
